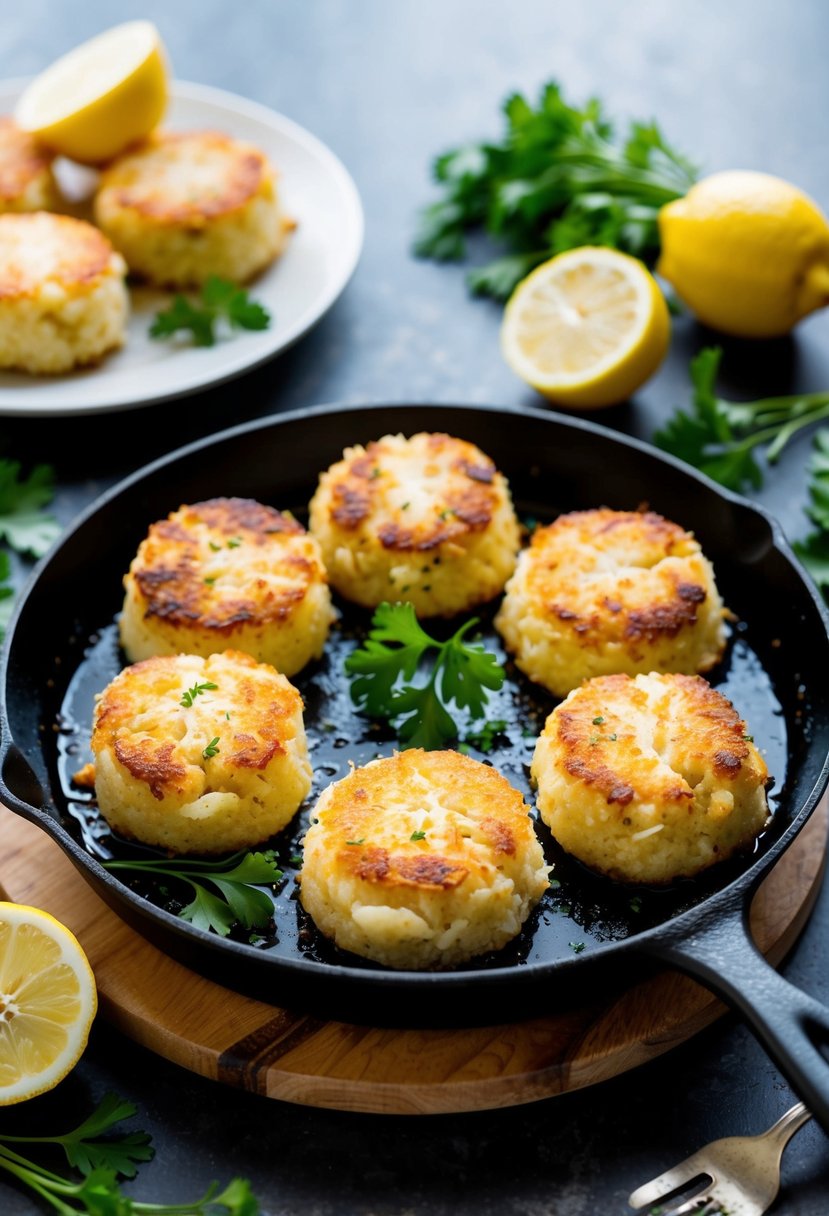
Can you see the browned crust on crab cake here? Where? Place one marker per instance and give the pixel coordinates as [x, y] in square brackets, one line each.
[26, 179]
[602, 591]
[426, 518]
[227, 572]
[218, 770]
[185, 205]
[422, 859]
[650, 778]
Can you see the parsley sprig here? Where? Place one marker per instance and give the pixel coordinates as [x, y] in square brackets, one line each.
[559, 177]
[188, 697]
[219, 300]
[814, 550]
[721, 437]
[457, 672]
[100, 1159]
[24, 525]
[231, 895]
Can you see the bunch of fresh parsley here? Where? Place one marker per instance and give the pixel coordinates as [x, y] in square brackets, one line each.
[559, 178]
[100, 1160]
[219, 300]
[721, 438]
[24, 525]
[454, 672]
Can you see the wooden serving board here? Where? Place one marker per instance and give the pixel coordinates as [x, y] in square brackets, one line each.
[252, 1045]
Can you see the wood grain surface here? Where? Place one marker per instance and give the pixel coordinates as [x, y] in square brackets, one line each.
[246, 1043]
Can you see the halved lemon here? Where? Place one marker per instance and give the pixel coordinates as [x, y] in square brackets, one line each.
[48, 1001]
[587, 328]
[102, 96]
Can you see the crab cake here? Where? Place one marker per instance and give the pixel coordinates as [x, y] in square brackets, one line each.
[187, 205]
[427, 519]
[227, 572]
[63, 302]
[649, 778]
[598, 592]
[420, 860]
[200, 755]
[26, 179]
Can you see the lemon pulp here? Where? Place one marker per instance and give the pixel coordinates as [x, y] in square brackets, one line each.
[96, 100]
[586, 328]
[48, 1000]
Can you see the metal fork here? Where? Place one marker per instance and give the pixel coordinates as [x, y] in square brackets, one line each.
[739, 1176]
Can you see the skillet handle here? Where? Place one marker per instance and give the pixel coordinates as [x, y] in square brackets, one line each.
[791, 1025]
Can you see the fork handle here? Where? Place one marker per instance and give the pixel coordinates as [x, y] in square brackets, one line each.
[786, 1126]
[791, 1025]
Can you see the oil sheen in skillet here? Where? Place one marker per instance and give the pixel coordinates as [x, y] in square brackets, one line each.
[579, 911]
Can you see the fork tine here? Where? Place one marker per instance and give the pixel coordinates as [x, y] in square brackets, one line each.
[679, 1176]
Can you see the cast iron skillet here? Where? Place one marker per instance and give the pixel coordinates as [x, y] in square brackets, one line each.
[62, 648]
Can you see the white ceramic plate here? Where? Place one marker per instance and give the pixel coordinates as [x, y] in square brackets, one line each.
[297, 290]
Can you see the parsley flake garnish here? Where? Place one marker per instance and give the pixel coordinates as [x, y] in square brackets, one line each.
[418, 836]
[484, 739]
[362, 840]
[383, 670]
[189, 697]
[212, 748]
[224, 892]
[576, 947]
[234, 542]
[219, 300]
[598, 721]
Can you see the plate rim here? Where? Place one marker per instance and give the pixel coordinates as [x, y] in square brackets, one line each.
[235, 103]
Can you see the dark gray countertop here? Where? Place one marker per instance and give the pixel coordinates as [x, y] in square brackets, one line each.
[387, 85]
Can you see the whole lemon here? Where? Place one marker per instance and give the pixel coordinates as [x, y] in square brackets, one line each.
[747, 252]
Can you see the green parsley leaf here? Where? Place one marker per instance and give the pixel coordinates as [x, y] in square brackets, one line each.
[418, 836]
[235, 894]
[558, 178]
[23, 524]
[218, 300]
[719, 437]
[814, 553]
[212, 748]
[384, 667]
[362, 840]
[188, 697]
[100, 1159]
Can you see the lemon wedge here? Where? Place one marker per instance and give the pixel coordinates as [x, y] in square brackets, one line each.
[587, 328]
[93, 102]
[48, 1000]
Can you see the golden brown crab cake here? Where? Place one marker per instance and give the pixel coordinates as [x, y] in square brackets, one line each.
[598, 592]
[227, 572]
[63, 302]
[187, 205]
[428, 519]
[198, 755]
[649, 778]
[423, 859]
[26, 179]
